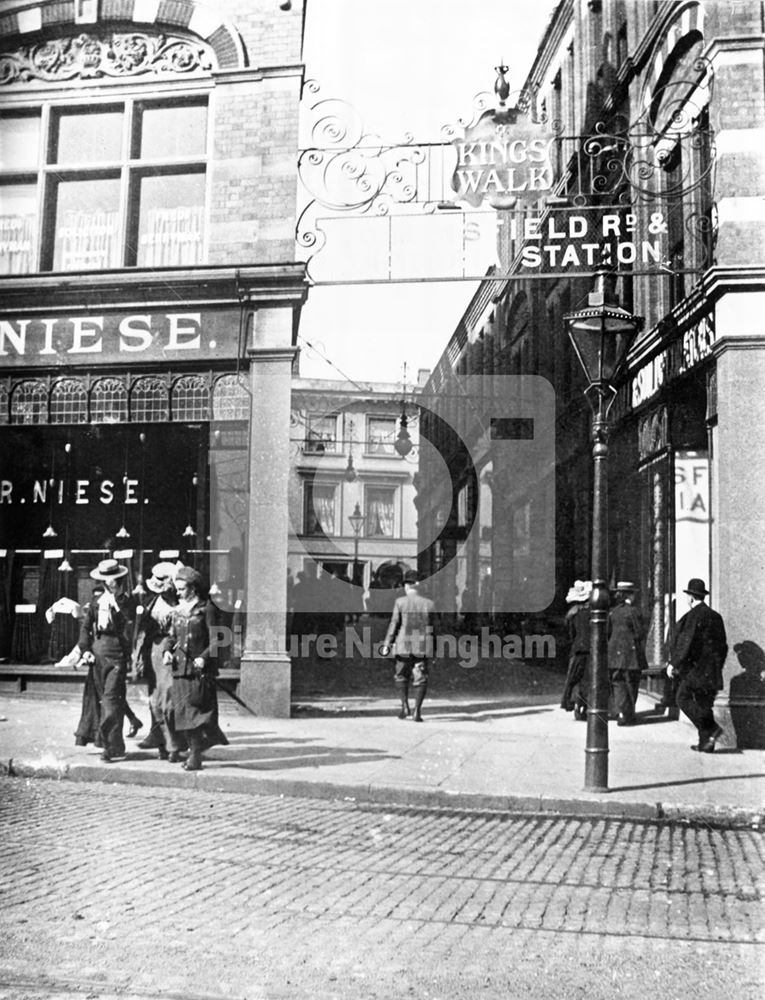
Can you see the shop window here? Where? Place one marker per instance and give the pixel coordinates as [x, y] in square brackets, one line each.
[380, 510]
[4, 400]
[321, 433]
[231, 400]
[381, 435]
[117, 184]
[108, 401]
[149, 401]
[190, 398]
[319, 514]
[68, 402]
[29, 403]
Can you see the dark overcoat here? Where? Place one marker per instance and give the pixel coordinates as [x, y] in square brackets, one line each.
[626, 639]
[195, 702]
[698, 648]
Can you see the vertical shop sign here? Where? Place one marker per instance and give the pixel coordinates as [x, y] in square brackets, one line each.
[691, 518]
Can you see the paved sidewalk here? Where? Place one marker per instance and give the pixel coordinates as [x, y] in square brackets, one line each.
[485, 751]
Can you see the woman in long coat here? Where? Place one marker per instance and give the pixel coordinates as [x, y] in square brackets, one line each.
[153, 629]
[187, 651]
[626, 652]
[578, 622]
[105, 646]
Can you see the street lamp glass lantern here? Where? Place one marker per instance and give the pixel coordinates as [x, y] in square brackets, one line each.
[602, 334]
[357, 520]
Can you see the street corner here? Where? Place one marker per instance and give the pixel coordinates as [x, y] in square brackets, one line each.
[45, 766]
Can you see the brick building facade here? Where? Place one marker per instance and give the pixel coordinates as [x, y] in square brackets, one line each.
[151, 296]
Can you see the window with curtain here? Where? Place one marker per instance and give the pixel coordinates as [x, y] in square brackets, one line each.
[381, 435]
[320, 508]
[380, 506]
[321, 433]
[104, 185]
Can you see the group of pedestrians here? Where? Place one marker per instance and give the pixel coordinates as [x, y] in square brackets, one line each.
[166, 641]
[697, 648]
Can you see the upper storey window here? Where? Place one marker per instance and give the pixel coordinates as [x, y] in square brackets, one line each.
[103, 185]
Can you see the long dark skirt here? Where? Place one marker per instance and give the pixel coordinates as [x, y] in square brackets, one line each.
[195, 707]
[104, 698]
[575, 691]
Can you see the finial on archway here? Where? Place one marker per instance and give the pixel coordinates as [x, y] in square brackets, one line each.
[501, 86]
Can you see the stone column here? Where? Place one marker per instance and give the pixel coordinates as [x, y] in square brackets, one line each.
[266, 668]
[738, 516]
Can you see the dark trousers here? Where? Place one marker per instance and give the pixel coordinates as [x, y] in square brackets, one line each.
[697, 704]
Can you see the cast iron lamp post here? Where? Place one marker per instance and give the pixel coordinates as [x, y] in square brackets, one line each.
[357, 523]
[601, 336]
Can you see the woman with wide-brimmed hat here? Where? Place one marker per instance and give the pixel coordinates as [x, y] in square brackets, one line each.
[188, 654]
[104, 644]
[159, 599]
[574, 696]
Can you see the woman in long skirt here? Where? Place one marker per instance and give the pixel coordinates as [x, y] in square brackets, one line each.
[188, 654]
[575, 691]
[105, 647]
[150, 666]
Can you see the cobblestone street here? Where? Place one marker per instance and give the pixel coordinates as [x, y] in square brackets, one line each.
[145, 892]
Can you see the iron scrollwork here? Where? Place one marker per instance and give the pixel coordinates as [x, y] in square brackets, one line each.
[666, 153]
[349, 171]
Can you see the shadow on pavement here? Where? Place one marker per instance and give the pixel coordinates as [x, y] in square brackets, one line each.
[687, 781]
[279, 757]
[475, 711]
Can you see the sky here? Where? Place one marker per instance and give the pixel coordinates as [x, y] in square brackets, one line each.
[405, 66]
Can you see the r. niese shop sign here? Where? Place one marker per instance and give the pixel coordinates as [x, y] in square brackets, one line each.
[109, 337]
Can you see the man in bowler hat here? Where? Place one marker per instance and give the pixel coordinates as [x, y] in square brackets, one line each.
[697, 654]
[410, 634]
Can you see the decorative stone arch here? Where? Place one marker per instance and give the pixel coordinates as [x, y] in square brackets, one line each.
[136, 15]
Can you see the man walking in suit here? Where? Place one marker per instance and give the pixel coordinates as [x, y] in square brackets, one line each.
[697, 654]
[626, 652]
[410, 634]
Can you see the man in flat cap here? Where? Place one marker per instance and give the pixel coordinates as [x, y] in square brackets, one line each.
[697, 654]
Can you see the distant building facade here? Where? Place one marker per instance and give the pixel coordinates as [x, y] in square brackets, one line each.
[352, 494]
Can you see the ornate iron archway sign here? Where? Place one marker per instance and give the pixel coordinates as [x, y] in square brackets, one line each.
[635, 193]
